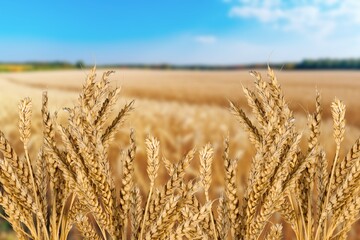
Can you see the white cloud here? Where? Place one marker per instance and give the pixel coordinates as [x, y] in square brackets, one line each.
[206, 39]
[318, 18]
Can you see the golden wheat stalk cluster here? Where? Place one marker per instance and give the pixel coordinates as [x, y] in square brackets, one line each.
[70, 185]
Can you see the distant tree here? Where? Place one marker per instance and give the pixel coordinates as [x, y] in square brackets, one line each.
[328, 63]
[79, 64]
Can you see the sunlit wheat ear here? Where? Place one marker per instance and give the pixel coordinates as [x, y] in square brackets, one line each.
[152, 149]
[232, 199]
[314, 121]
[223, 224]
[190, 223]
[322, 181]
[48, 136]
[87, 95]
[136, 211]
[15, 216]
[25, 112]
[168, 165]
[348, 216]
[127, 183]
[206, 158]
[42, 181]
[9, 154]
[349, 160]
[160, 226]
[20, 194]
[87, 229]
[338, 113]
[275, 232]
[171, 186]
[193, 232]
[254, 135]
[105, 110]
[110, 131]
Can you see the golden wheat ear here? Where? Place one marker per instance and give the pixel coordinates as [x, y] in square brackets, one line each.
[127, 188]
[190, 228]
[136, 211]
[222, 222]
[275, 232]
[232, 200]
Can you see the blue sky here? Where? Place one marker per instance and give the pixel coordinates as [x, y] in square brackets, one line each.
[179, 31]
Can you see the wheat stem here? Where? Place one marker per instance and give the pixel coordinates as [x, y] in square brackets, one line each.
[145, 213]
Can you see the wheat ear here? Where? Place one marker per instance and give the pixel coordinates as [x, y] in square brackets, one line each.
[206, 158]
[338, 113]
[275, 232]
[127, 183]
[232, 199]
[152, 168]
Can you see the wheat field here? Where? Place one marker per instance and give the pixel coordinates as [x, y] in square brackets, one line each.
[203, 87]
[183, 110]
